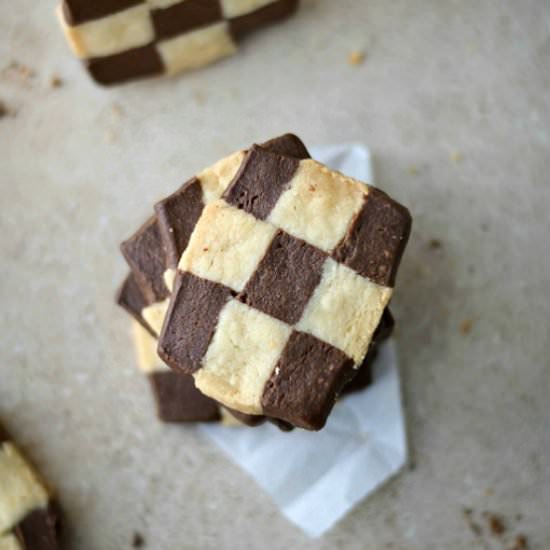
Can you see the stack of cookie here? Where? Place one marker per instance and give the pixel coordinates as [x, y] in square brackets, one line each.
[259, 289]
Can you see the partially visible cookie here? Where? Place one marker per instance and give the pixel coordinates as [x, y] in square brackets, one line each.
[29, 516]
[120, 40]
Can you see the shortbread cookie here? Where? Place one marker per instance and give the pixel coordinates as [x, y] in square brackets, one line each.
[282, 286]
[29, 517]
[120, 40]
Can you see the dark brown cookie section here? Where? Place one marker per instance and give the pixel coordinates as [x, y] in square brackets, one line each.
[178, 400]
[127, 65]
[281, 424]
[177, 216]
[285, 279]
[385, 328]
[243, 25]
[251, 420]
[4, 436]
[363, 378]
[146, 257]
[40, 529]
[186, 16]
[191, 321]
[130, 298]
[288, 145]
[303, 386]
[261, 179]
[81, 11]
[377, 238]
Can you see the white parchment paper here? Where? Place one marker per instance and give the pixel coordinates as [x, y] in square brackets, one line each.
[317, 477]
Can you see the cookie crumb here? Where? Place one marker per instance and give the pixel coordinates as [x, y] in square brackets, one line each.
[18, 71]
[56, 81]
[466, 326]
[117, 109]
[199, 96]
[456, 156]
[3, 110]
[520, 543]
[489, 492]
[495, 524]
[356, 57]
[138, 541]
[435, 244]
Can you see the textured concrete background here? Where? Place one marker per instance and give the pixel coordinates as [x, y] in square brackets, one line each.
[453, 99]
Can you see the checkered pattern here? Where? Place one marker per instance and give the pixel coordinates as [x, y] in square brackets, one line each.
[21, 489]
[273, 255]
[124, 39]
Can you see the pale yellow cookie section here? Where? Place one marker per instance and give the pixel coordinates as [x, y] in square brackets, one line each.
[197, 48]
[215, 180]
[9, 542]
[110, 35]
[234, 8]
[21, 490]
[229, 420]
[345, 310]
[226, 245]
[146, 350]
[155, 314]
[243, 353]
[318, 205]
[169, 277]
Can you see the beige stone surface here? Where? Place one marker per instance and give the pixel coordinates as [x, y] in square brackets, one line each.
[453, 98]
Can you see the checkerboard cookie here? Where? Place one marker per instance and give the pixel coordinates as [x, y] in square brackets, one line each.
[29, 517]
[119, 40]
[281, 287]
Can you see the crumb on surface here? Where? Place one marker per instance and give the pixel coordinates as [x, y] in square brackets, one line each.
[199, 96]
[435, 244]
[117, 109]
[138, 541]
[356, 57]
[495, 524]
[520, 543]
[456, 156]
[56, 81]
[19, 71]
[466, 326]
[3, 110]
[413, 170]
